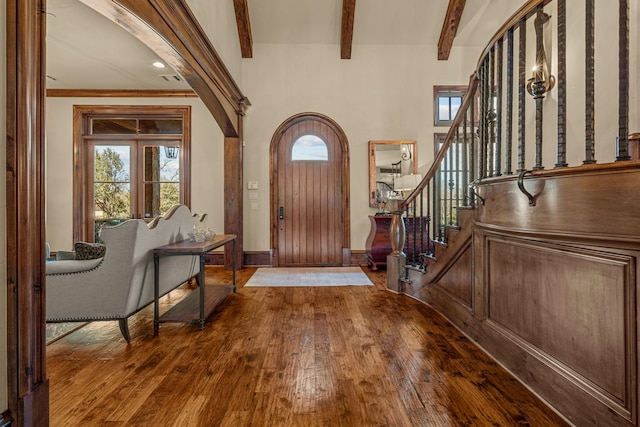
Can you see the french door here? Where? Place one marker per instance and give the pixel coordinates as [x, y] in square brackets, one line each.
[131, 179]
[129, 162]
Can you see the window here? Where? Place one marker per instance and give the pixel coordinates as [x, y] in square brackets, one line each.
[133, 163]
[447, 101]
[309, 147]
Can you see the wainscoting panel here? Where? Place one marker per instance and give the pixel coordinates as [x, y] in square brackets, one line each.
[572, 308]
[457, 280]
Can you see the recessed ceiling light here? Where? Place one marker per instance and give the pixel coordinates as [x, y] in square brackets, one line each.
[158, 64]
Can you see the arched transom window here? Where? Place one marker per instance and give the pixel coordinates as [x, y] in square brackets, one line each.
[309, 147]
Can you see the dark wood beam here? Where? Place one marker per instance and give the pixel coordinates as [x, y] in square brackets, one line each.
[450, 28]
[244, 28]
[346, 35]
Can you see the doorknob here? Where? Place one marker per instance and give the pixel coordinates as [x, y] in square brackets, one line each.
[281, 212]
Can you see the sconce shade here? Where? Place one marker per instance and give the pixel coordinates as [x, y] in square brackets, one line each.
[406, 182]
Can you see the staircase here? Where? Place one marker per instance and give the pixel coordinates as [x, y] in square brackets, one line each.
[533, 246]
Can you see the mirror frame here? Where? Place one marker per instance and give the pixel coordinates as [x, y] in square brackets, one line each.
[372, 164]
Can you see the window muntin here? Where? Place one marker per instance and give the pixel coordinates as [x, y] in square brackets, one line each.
[309, 148]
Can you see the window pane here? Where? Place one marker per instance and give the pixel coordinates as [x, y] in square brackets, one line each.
[111, 186]
[443, 108]
[159, 197]
[113, 126]
[456, 101]
[160, 126]
[309, 147]
[159, 167]
[161, 181]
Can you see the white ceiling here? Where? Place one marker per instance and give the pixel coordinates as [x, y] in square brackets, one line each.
[87, 51]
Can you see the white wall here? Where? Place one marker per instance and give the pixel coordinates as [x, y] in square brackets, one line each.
[381, 93]
[218, 20]
[206, 163]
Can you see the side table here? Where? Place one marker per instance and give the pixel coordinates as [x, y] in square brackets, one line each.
[196, 307]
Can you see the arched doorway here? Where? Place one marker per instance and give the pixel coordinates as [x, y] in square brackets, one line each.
[310, 192]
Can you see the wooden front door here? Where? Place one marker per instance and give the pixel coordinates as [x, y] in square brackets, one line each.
[309, 193]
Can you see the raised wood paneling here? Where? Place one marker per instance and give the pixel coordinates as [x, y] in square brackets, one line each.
[457, 280]
[555, 287]
[570, 306]
[572, 203]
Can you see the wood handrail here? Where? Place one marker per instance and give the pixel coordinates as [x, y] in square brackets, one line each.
[468, 98]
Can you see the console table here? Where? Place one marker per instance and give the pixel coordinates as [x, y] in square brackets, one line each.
[197, 306]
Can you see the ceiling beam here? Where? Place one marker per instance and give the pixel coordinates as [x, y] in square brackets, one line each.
[346, 35]
[244, 28]
[450, 28]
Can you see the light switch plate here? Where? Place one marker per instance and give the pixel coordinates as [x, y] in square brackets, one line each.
[252, 185]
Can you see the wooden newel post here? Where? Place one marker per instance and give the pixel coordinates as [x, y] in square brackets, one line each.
[397, 233]
[396, 260]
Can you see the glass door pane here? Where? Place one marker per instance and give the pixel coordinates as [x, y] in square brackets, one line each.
[111, 186]
[161, 172]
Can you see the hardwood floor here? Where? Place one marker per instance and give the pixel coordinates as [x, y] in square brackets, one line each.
[357, 356]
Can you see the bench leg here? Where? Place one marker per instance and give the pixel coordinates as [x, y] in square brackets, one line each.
[124, 329]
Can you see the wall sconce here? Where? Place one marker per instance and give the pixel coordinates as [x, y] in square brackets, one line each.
[171, 152]
[542, 81]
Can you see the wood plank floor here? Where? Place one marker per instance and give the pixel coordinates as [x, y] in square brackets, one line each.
[357, 356]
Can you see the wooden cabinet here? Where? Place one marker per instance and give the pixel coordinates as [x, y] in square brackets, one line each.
[379, 241]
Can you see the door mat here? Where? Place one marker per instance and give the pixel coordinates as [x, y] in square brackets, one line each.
[309, 276]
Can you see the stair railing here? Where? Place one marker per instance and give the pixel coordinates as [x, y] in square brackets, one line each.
[488, 137]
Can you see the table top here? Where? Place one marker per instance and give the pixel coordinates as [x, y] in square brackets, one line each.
[191, 247]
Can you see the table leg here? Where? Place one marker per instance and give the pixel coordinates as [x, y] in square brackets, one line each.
[233, 264]
[202, 319]
[156, 291]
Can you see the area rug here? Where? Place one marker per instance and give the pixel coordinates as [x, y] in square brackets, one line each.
[309, 276]
[55, 331]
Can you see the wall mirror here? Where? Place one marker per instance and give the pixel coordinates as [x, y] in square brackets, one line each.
[388, 161]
